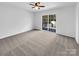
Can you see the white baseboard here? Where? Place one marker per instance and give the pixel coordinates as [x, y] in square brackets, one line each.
[15, 33]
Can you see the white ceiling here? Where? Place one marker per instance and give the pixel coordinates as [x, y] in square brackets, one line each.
[48, 5]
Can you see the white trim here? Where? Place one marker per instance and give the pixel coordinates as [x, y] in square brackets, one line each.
[15, 34]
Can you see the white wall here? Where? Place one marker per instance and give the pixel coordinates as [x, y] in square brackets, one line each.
[14, 20]
[65, 20]
[77, 22]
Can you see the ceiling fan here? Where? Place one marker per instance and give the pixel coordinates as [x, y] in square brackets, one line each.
[36, 5]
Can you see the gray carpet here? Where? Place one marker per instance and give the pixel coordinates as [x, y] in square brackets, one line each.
[38, 43]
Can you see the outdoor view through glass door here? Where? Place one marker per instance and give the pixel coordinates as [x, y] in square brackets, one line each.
[49, 23]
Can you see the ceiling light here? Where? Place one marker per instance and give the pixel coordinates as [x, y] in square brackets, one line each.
[36, 7]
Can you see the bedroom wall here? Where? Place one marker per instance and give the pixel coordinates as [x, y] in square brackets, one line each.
[65, 20]
[77, 22]
[14, 20]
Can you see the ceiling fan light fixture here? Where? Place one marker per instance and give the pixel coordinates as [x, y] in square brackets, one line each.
[36, 7]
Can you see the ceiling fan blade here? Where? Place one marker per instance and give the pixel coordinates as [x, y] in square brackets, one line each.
[38, 2]
[31, 4]
[41, 6]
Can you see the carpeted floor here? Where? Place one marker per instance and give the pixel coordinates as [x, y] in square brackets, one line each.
[38, 43]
